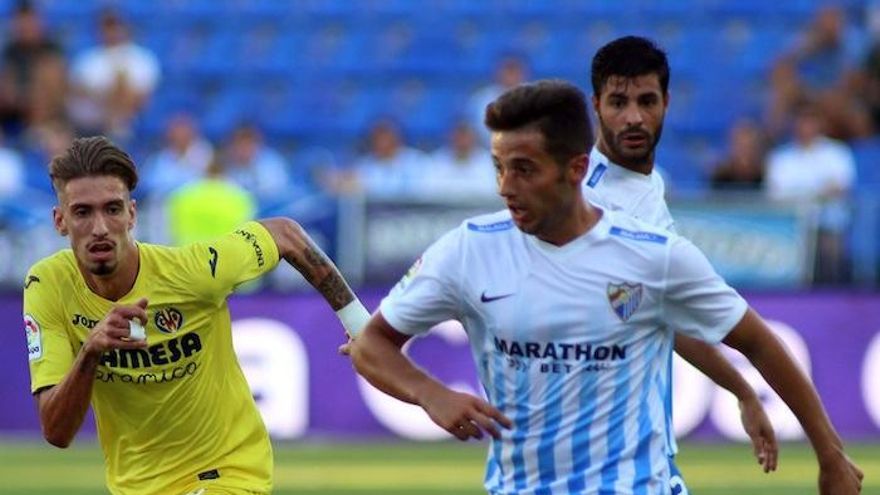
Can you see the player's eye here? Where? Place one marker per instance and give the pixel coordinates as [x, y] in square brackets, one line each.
[524, 170]
[648, 101]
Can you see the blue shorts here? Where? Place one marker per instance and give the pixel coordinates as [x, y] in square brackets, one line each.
[676, 482]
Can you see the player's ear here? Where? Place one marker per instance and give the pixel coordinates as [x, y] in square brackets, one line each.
[58, 221]
[132, 213]
[577, 168]
[595, 100]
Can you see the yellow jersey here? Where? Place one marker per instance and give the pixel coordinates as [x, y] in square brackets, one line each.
[178, 416]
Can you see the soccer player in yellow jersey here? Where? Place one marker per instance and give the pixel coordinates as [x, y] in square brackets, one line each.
[173, 411]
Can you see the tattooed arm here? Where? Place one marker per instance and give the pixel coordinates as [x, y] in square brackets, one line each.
[297, 248]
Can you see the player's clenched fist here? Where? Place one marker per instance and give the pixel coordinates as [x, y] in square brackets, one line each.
[463, 415]
[115, 330]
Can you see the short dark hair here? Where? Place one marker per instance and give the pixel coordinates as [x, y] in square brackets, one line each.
[90, 157]
[629, 57]
[556, 108]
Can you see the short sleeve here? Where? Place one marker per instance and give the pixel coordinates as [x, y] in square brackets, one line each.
[697, 301]
[50, 351]
[217, 267]
[429, 292]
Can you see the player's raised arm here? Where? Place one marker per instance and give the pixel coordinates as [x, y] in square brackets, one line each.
[838, 475]
[709, 360]
[377, 356]
[297, 248]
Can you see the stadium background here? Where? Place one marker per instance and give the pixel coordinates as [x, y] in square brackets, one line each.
[315, 75]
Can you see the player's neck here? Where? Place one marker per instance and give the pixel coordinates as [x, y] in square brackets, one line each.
[644, 167]
[582, 217]
[116, 285]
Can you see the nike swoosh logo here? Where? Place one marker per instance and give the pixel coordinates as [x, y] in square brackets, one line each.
[486, 299]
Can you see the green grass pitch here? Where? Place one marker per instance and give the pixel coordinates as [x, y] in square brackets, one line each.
[448, 468]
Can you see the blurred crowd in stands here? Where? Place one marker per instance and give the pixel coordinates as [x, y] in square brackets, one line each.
[822, 99]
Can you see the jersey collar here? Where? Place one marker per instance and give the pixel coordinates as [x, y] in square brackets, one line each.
[598, 158]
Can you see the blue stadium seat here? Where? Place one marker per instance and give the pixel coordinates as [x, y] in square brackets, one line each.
[795, 12]
[867, 155]
[168, 100]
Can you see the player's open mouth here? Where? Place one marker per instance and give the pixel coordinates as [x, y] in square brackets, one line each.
[101, 249]
[635, 139]
[516, 212]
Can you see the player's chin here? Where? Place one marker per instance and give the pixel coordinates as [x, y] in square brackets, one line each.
[525, 226]
[102, 268]
[636, 151]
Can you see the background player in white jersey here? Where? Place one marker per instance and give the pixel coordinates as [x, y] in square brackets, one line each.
[630, 79]
[570, 312]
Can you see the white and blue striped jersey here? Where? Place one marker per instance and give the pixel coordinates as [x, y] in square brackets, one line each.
[644, 197]
[571, 343]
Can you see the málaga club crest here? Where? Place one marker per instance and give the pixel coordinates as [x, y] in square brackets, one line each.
[625, 298]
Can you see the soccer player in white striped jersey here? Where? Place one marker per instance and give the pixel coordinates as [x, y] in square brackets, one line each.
[630, 78]
[571, 312]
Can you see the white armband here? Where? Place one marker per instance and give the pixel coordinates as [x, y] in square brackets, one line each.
[354, 317]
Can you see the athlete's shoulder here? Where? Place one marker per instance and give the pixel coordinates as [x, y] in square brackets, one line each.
[163, 254]
[51, 279]
[658, 181]
[172, 266]
[491, 223]
[57, 265]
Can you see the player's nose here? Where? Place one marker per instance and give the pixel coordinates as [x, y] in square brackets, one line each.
[633, 116]
[505, 185]
[99, 226]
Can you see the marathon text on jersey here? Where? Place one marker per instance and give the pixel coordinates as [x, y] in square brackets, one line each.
[552, 350]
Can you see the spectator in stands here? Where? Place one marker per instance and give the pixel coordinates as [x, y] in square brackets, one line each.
[743, 167]
[33, 82]
[822, 66]
[112, 82]
[511, 71]
[462, 170]
[816, 169]
[208, 207]
[184, 159]
[390, 169]
[256, 167]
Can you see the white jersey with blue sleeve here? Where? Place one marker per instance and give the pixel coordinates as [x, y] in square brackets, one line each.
[571, 342]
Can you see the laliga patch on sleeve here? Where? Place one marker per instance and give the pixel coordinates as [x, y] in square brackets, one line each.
[34, 338]
[410, 274]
